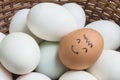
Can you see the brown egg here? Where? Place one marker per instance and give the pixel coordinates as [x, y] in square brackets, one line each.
[81, 48]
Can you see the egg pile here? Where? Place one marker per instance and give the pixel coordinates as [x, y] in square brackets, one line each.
[53, 42]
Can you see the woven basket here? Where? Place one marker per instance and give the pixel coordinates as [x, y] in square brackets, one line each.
[95, 9]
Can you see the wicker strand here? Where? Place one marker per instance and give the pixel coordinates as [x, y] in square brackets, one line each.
[95, 9]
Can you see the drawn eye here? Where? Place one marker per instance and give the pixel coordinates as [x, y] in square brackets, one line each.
[78, 40]
[85, 49]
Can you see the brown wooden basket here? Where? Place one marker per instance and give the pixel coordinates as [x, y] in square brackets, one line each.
[95, 9]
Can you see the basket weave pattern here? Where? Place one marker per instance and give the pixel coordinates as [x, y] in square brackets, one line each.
[95, 9]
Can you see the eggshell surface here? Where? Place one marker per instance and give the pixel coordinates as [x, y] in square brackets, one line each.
[18, 23]
[81, 48]
[77, 75]
[20, 54]
[4, 74]
[50, 64]
[2, 36]
[107, 66]
[110, 32]
[77, 12]
[33, 76]
[50, 21]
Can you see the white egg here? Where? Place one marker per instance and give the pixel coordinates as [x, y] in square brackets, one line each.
[110, 32]
[77, 12]
[50, 63]
[2, 36]
[4, 74]
[77, 75]
[33, 76]
[18, 24]
[20, 54]
[50, 21]
[108, 66]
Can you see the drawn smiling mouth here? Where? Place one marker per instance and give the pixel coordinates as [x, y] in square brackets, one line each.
[72, 48]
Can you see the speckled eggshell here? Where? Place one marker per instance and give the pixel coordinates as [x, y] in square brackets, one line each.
[81, 48]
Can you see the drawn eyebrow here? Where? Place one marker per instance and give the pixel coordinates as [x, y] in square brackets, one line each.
[85, 38]
[78, 40]
[87, 41]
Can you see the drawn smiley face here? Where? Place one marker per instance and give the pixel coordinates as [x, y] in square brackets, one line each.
[78, 41]
[81, 48]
